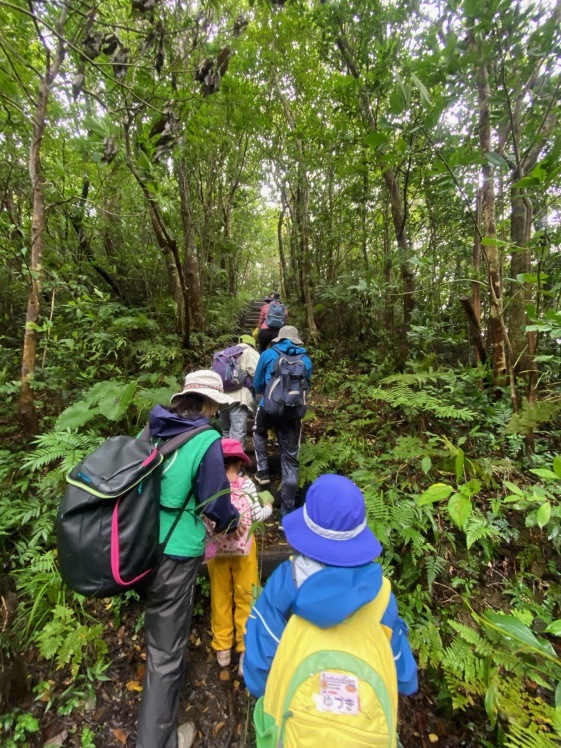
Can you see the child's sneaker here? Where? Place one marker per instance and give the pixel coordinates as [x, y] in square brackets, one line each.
[224, 657]
[240, 665]
[262, 478]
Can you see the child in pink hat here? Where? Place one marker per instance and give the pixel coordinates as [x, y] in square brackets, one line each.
[233, 564]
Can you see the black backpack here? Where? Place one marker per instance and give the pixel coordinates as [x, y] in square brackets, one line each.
[108, 522]
[285, 394]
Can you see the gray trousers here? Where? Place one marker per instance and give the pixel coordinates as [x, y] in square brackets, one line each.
[233, 422]
[288, 435]
[169, 595]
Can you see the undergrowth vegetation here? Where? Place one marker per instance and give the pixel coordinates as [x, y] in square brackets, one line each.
[470, 523]
[470, 527]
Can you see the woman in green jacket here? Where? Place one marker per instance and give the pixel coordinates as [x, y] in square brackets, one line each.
[195, 470]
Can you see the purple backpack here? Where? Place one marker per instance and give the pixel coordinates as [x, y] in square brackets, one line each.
[226, 365]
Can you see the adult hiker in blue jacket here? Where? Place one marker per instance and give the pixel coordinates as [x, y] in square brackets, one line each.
[331, 576]
[288, 430]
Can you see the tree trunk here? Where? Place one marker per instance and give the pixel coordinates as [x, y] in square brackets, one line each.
[168, 245]
[28, 413]
[192, 276]
[284, 278]
[397, 202]
[497, 331]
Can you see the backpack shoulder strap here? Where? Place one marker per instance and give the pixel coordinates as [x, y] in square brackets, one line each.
[170, 446]
[178, 441]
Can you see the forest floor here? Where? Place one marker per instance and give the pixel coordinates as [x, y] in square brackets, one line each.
[214, 699]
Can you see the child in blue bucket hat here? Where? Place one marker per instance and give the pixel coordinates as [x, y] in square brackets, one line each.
[327, 607]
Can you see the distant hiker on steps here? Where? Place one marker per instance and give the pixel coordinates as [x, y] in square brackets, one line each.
[244, 358]
[272, 317]
[283, 376]
[194, 474]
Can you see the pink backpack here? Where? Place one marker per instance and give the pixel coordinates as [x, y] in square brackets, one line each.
[225, 545]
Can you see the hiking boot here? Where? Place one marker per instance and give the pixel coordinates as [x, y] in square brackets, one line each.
[185, 735]
[240, 665]
[262, 478]
[224, 657]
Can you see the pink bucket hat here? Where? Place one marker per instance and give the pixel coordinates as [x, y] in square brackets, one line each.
[233, 448]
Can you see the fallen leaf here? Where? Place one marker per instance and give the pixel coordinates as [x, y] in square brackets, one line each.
[120, 735]
[57, 739]
[218, 727]
[433, 738]
[224, 675]
[133, 685]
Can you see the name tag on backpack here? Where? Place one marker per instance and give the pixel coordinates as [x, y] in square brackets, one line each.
[338, 693]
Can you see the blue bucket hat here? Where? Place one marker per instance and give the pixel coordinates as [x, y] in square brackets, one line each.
[331, 526]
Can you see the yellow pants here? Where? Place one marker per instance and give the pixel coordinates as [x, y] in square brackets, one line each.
[232, 579]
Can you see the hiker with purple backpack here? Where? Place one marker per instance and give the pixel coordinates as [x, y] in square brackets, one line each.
[194, 481]
[236, 367]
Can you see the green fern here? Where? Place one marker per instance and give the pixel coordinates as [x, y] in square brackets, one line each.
[533, 415]
[413, 393]
[434, 566]
[403, 396]
[68, 447]
[426, 640]
[478, 528]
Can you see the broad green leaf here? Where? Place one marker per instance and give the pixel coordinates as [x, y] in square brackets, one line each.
[426, 464]
[425, 97]
[436, 492]
[544, 514]
[470, 488]
[496, 159]
[514, 488]
[75, 416]
[558, 695]
[554, 628]
[528, 278]
[526, 182]
[516, 630]
[557, 465]
[545, 473]
[459, 465]
[266, 497]
[491, 241]
[156, 396]
[376, 139]
[460, 509]
[115, 406]
[144, 161]
[492, 701]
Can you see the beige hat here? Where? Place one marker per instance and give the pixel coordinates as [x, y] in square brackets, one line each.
[288, 332]
[206, 383]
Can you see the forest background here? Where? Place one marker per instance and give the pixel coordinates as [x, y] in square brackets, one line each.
[393, 169]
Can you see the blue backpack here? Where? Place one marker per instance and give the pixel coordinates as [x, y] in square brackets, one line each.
[275, 316]
[226, 364]
[285, 394]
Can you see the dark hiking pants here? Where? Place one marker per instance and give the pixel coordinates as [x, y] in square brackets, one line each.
[266, 334]
[169, 597]
[288, 435]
